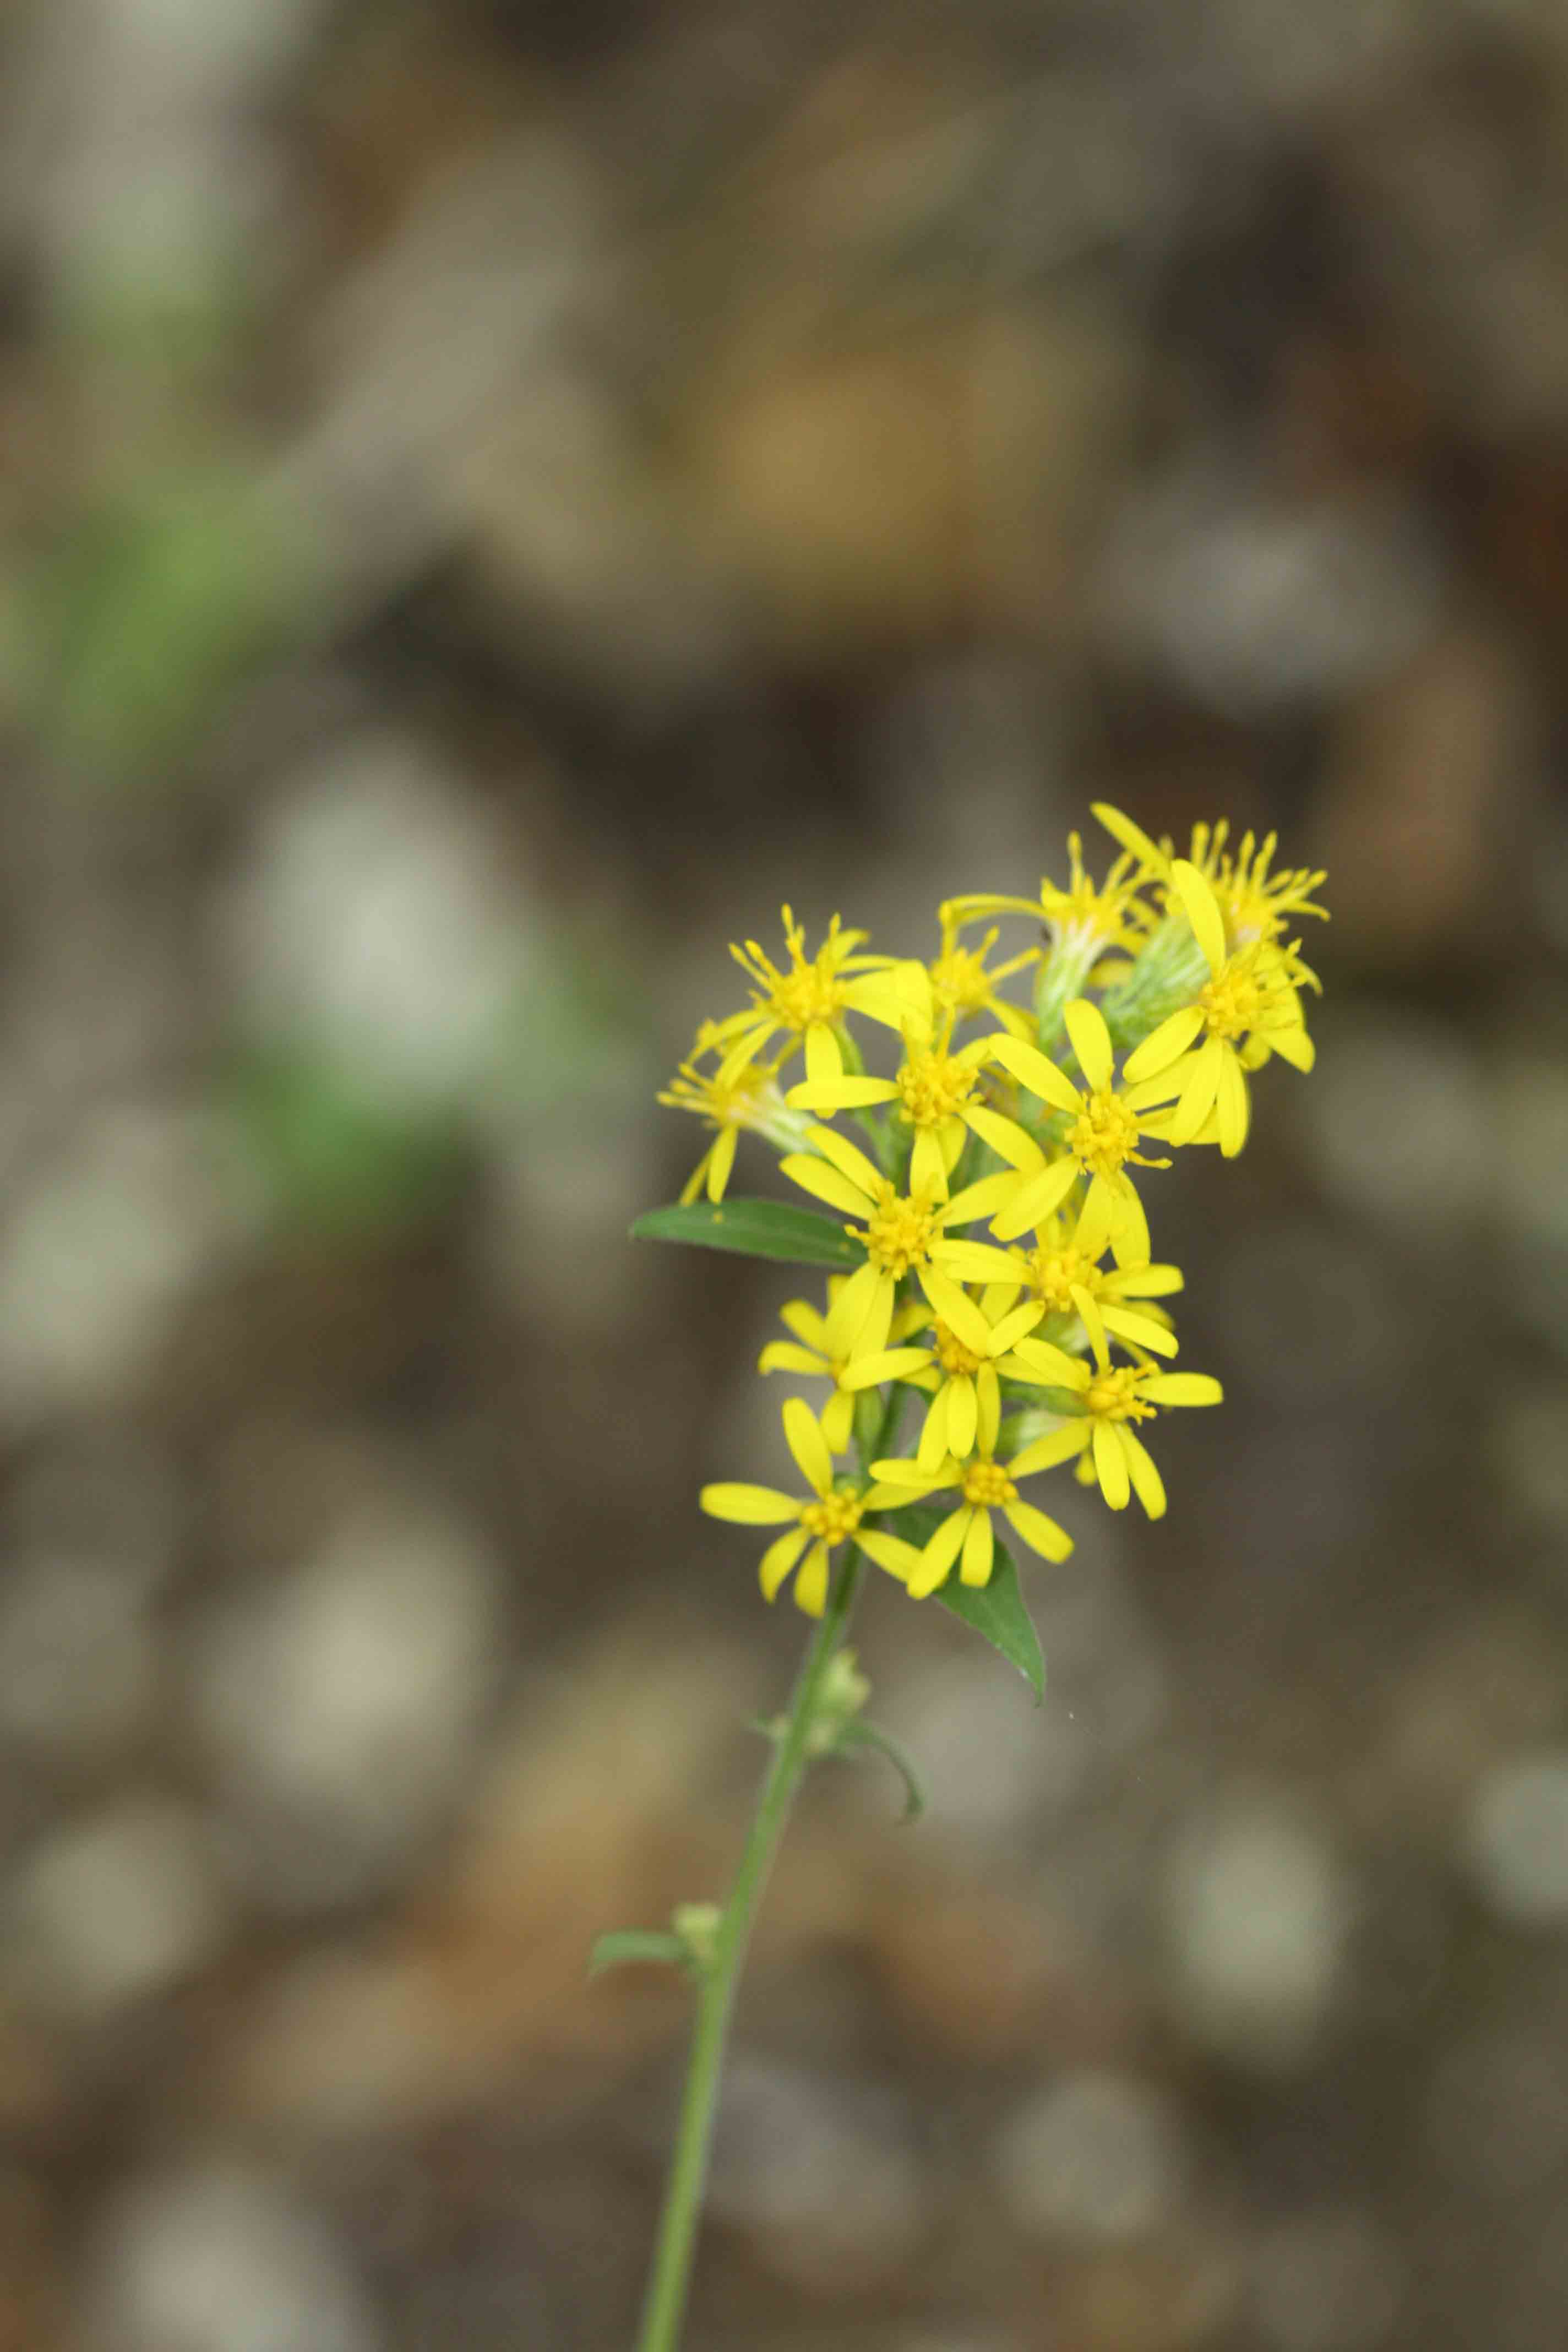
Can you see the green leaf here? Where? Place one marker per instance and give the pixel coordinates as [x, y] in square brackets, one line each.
[861, 1734]
[623, 1946]
[996, 1610]
[776, 1229]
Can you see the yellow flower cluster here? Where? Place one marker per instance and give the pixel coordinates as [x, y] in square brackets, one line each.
[1030, 1123]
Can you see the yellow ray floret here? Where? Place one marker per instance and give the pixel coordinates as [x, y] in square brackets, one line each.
[1067, 1256]
[830, 1516]
[963, 1361]
[749, 1102]
[1110, 1398]
[1247, 1010]
[962, 987]
[934, 1093]
[1084, 914]
[900, 1234]
[808, 1352]
[807, 1001]
[966, 1535]
[1103, 1140]
[1257, 904]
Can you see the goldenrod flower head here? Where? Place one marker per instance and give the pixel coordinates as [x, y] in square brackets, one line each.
[808, 1000]
[962, 987]
[1085, 914]
[1066, 1257]
[750, 1100]
[829, 1517]
[932, 1093]
[901, 1234]
[1255, 903]
[1109, 1399]
[966, 1536]
[808, 1353]
[970, 1351]
[1247, 1010]
[1101, 1140]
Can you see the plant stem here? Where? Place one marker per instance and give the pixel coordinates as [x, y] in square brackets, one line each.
[666, 2301]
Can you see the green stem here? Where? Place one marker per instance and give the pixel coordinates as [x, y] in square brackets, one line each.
[666, 2301]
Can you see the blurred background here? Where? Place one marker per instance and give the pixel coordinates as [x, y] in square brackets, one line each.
[498, 496]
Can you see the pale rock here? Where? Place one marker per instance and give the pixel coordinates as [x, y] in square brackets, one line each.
[218, 2258]
[115, 1909]
[1097, 2156]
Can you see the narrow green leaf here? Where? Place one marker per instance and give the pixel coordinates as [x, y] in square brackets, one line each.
[861, 1734]
[622, 1946]
[775, 1229]
[996, 1610]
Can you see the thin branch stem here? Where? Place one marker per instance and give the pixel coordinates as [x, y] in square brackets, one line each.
[666, 2302]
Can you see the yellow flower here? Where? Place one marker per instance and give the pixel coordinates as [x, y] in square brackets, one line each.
[1100, 1144]
[750, 1100]
[962, 987]
[1110, 1400]
[1083, 915]
[1247, 1009]
[1255, 903]
[968, 1356]
[830, 1517]
[808, 1353]
[901, 1234]
[966, 1535]
[934, 1092]
[1066, 1259]
[807, 1002]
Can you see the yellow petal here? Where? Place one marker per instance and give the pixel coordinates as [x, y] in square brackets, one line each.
[803, 1436]
[1294, 1045]
[1090, 1316]
[1111, 1465]
[900, 1558]
[849, 1159]
[1141, 1329]
[1046, 1366]
[1131, 837]
[979, 1548]
[941, 1551]
[805, 1322]
[748, 1506]
[810, 1584]
[1149, 1281]
[721, 1160]
[1046, 1453]
[1012, 1328]
[988, 1401]
[847, 1315]
[1202, 909]
[840, 1093]
[928, 1164]
[910, 1478]
[783, 1356]
[1147, 1483]
[838, 1419]
[1034, 1072]
[1163, 1046]
[872, 1336]
[962, 1411]
[823, 1058]
[1200, 1083]
[778, 1559]
[1040, 1533]
[1230, 1102]
[1184, 1388]
[1091, 1042]
[886, 1364]
[1035, 1199]
[956, 1308]
[980, 1200]
[1130, 1226]
[826, 1183]
[694, 1182]
[1006, 1139]
[932, 1450]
